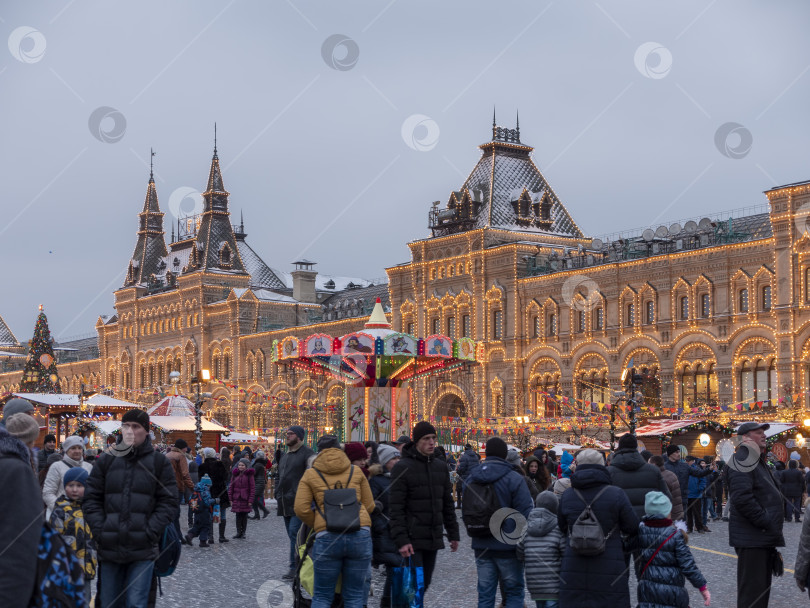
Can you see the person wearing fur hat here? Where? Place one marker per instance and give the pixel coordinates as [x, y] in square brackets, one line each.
[241, 493]
[54, 487]
[21, 521]
[665, 561]
[596, 580]
[541, 551]
[421, 503]
[67, 518]
[630, 472]
[215, 469]
[259, 466]
[293, 465]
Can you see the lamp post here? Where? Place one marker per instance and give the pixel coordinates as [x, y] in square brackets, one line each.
[202, 376]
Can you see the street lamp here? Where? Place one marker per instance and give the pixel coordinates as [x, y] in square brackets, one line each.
[202, 376]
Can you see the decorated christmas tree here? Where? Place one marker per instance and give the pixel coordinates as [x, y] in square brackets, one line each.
[40, 375]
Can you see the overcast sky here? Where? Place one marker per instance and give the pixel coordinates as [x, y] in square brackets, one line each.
[339, 123]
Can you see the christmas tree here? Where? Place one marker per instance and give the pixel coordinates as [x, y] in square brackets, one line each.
[40, 375]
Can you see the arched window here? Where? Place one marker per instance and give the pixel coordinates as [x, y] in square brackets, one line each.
[766, 297]
[684, 308]
[599, 318]
[259, 366]
[704, 306]
[650, 313]
[758, 382]
[226, 366]
[807, 284]
[497, 324]
[743, 298]
[451, 327]
[580, 321]
[630, 318]
[536, 325]
[552, 325]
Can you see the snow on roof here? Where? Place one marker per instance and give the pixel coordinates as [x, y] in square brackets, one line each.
[108, 427]
[335, 283]
[7, 337]
[776, 427]
[55, 400]
[235, 437]
[184, 423]
[270, 296]
[663, 427]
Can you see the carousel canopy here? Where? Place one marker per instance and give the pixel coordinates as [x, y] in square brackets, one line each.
[184, 423]
[173, 405]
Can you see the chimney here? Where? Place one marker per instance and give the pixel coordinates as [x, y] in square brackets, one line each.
[304, 282]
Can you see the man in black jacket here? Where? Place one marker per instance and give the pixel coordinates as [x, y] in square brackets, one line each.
[793, 486]
[421, 503]
[466, 462]
[630, 472]
[48, 448]
[130, 498]
[290, 471]
[682, 471]
[756, 516]
[220, 475]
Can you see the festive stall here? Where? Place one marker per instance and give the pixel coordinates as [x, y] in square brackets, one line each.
[698, 437]
[376, 365]
[167, 430]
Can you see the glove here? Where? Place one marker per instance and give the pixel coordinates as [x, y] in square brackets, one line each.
[707, 597]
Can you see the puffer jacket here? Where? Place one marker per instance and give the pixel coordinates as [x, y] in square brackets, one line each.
[793, 483]
[757, 508]
[512, 492]
[468, 460]
[421, 503]
[541, 551]
[662, 583]
[385, 551]
[290, 471]
[260, 467]
[629, 472]
[334, 465]
[697, 485]
[54, 485]
[566, 460]
[128, 502]
[675, 492]
[219, 480]
[242, 490]
[596, 581]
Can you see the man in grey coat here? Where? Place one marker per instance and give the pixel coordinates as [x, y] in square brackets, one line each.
[290, 471]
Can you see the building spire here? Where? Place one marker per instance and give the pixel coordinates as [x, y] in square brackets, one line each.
[241, 221]
[151, 165]
[517, 123]
[215, 139]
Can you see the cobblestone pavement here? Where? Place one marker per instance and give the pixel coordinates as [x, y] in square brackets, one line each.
[247, 573]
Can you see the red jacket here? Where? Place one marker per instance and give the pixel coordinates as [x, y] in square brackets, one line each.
[241, 490]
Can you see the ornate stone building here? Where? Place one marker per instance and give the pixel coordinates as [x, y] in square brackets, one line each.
[712, 312]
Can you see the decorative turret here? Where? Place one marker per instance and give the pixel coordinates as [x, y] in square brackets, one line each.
[215, 244]
[150, 246]
[378, 320]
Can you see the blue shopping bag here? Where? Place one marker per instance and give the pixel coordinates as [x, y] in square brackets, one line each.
[408, 586]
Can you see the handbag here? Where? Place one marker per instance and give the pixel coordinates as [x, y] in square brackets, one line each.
[408, 585]
[341, 511]
[778, 566]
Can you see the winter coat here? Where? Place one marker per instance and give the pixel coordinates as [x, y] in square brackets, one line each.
[128, 502]
[683, 472]
[512, 492]
[335, 467]
[566, 460]
[67, 518]
[260, 467]
[182, 478]
[629, 472]
[242, 490]
[385, 551]
[193, 470]
[599, 580]
[54, 485]
[541, 551]
[674, 487]
[538, 481]
[20, 524]
[662, 584]
[421, 503]
[802, 568]
[697, 485]
[466, 462]
[42, 458]
[290, 471]
[757, 508]
[219, 480]
[793, 485]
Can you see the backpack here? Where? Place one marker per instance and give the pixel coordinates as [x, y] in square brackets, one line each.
[195, 501]
[341, 511]
[479, 505]
[60, 577]
[586, 536]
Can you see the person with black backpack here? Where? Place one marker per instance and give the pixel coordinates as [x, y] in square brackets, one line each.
[595, 514]
[130, 499]
[492, 486]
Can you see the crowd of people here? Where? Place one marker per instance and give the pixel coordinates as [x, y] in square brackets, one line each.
[555, 530]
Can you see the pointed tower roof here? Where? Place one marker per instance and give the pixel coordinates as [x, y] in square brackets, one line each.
[150, 246]
[7, 337]
[215, 248]
[505, 190]
[377, 320]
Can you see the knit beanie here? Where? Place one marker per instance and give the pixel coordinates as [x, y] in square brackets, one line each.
[628, 442]
[387, 452]
[23, 427]
[181, 444]
[326, 442]
[590, 456]
[496, 447]
[136, 415]
[72, 441]
[547, 500]
[76, 474]
[245, 461]
[259, 454]
[561, 485]
[656, 504]
[671, 449]
[50, 437]
[205, 480]
[421, 429]
[512, 456]
[209, 453]
[298, 430]
[355, 451]
[16, 406]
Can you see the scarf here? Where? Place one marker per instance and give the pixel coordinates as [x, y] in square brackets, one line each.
[70, 462]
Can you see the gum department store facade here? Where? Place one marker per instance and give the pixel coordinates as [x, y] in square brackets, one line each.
[714, 313]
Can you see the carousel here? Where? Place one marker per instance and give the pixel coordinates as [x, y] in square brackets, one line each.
[377, 366]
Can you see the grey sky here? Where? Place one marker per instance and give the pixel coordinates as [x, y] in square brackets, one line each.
[300, 142]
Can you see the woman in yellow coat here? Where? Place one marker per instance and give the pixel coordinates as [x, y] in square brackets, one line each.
[336, 553]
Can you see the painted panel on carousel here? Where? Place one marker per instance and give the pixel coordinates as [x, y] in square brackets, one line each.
[466, 349]
[355, 424]
[438, 346]
[289, 348]
[318, 344]
[358, 344]
[402, 345]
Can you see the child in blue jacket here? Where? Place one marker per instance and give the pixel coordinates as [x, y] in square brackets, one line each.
[200, 505]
